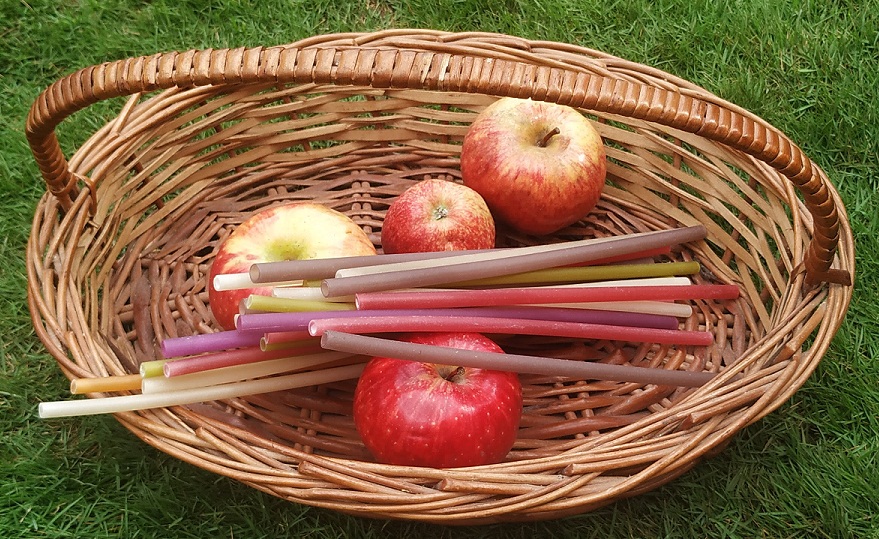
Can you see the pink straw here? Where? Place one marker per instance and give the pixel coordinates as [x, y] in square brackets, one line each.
[548, 328]
[525, 259]
[208, 342]
[419, 299]
[578, 370]
[230, 358]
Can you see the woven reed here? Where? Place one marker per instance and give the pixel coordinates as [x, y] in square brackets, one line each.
[123, 239]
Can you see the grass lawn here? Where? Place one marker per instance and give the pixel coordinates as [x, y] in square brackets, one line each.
[810, 469]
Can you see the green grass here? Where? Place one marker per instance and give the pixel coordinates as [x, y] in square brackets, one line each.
[809, 67]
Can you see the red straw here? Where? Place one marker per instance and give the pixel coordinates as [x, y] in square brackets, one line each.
[436, 299]
[278, 337]
[548, 328]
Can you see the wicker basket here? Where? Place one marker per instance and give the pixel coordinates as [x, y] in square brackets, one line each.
[122, 241]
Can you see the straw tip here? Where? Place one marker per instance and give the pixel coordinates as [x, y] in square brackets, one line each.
[706, 338]
[43, 411]
[326, 289]
[232, 281]
[313, 329]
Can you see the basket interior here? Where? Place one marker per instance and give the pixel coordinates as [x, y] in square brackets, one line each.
[179, 170]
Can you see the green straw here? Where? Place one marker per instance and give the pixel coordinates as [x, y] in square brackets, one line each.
[588, 273]
[151, 369]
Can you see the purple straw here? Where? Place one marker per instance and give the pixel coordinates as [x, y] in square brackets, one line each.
[209, 342]
[273, 322]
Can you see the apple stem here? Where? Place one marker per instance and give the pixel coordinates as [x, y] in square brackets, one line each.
[551, 133]
[440, 213]
[455, 375]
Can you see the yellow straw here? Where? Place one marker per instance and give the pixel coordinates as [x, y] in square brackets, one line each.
[105, 384]
[313, 293]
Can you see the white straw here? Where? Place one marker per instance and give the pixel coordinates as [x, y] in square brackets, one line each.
[226, 375]
[647, 281]
[241, 281]
[666, 308]
[314, 293]
[232, 281]
[127, 403]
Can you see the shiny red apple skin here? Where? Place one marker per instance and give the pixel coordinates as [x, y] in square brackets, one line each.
[408, 413]
[437, 215]
[534, 187]
[290, 231]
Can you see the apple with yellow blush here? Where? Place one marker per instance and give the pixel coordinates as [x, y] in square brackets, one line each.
[290, 231]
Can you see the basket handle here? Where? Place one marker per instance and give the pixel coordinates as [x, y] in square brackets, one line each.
[394, 68]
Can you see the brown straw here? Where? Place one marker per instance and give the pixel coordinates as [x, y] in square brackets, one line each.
[577, 370]
[322, 268]
[529, 260]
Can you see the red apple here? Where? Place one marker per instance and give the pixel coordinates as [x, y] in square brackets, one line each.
[441, 416]
[539, 166]
[292, 231]
[437, 215]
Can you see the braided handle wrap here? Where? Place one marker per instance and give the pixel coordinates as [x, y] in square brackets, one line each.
[436, 70]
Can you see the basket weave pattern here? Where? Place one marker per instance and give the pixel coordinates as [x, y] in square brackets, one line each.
[123, 239]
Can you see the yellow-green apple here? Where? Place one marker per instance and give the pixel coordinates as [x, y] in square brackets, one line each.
[540, 166]
[440, 416]
[437, 215]
[291, 231]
